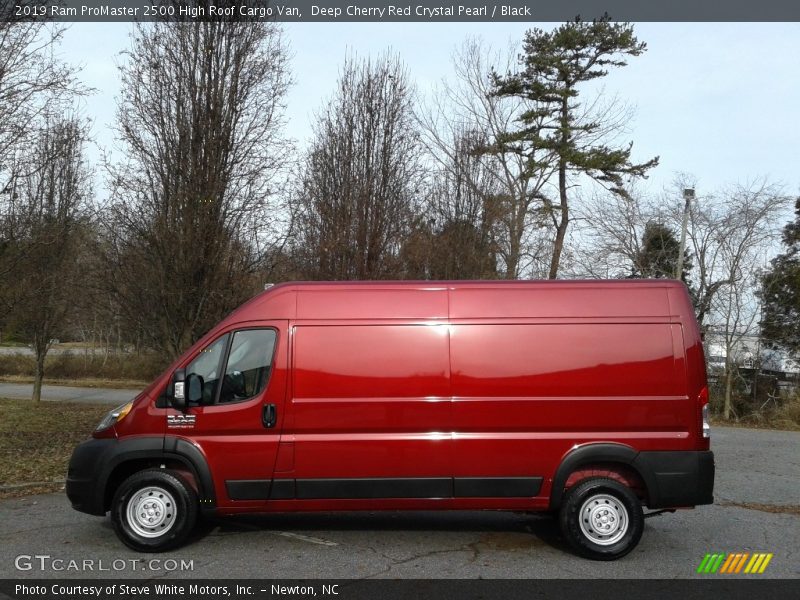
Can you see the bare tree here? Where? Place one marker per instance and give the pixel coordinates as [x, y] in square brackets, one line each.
[454, 236]
[194, 210]
[736, 312]
[729, 232]
[628, 235]
[51, 220]
[35, 86]
[361, 175]
[730, 235]
[463, 110]
[612, 234]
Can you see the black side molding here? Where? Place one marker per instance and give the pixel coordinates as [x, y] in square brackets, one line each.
[248, 489]
[411, 487]
[496, 487]
[385, 487]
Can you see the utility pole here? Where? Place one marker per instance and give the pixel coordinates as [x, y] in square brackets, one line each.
[688, 196]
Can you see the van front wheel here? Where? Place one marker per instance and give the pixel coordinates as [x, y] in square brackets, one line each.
[601, 518]
[154, 510]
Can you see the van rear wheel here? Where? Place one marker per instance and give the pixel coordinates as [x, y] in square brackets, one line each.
[601, 518]
[154, 510]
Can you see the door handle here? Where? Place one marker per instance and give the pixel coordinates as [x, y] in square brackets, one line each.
[269, 416]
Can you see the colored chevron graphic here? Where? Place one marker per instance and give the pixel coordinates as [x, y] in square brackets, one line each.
[735, 563]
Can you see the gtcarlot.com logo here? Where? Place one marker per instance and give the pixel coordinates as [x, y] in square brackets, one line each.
[46, 562]
[735, 563]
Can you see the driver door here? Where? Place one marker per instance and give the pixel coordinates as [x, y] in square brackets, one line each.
[238, 422]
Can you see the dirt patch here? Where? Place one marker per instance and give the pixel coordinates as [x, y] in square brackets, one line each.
[780, 509]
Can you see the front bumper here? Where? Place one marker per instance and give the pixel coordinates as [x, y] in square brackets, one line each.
[85, 477]
[677, 479]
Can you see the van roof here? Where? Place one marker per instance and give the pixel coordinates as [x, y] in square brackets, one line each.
[462, 299]
[424, 284]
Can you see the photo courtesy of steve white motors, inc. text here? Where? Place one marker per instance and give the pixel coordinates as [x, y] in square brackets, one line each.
[138, 590]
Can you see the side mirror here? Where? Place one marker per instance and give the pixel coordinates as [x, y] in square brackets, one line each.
[178, 396]
[194, 388]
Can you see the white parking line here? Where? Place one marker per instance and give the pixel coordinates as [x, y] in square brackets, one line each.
[305, 538]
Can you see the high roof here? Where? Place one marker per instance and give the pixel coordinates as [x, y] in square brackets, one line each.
[461, 299]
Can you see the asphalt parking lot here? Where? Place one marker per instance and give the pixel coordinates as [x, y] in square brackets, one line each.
[756, 510]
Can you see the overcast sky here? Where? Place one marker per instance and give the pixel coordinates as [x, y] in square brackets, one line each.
[720, 101]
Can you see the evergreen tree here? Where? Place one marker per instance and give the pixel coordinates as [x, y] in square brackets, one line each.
[658, 254]
[780, 291]
[555, 131]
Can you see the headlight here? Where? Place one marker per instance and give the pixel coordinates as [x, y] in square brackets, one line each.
[115, 415]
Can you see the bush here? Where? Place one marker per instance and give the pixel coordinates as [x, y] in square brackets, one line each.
[783, 415]
[788, 415]
[66, 365]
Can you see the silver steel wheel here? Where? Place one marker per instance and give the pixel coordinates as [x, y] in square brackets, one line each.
[151, 512]
[604, 519]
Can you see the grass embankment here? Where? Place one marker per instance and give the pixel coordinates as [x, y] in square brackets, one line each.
[36, 442]
[785, 417]
[123, 370]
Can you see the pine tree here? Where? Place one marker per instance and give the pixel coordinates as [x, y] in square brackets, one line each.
[658, 254]
[780, 292]
[554, 130]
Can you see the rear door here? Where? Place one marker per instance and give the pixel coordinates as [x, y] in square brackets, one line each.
[524, 394]
[238, 424]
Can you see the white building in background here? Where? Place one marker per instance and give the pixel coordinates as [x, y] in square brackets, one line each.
[748, 353]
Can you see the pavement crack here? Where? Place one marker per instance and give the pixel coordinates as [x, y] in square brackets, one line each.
[394, 562]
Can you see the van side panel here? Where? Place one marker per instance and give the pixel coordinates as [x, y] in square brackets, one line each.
[368, 303]
[558, 300]
[692, 343]
[524, 393]
[370, 401]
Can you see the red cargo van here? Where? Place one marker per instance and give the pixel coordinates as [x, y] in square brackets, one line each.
[582, 398]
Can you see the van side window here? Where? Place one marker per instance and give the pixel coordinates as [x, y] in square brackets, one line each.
[249, 362]
[208, 365]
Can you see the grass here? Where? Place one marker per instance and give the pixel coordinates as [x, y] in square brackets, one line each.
[68, 367]
[756, 423]
[784, 417]
[36, 442]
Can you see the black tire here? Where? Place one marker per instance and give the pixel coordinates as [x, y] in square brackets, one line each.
[154, 510]
[601, 518]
